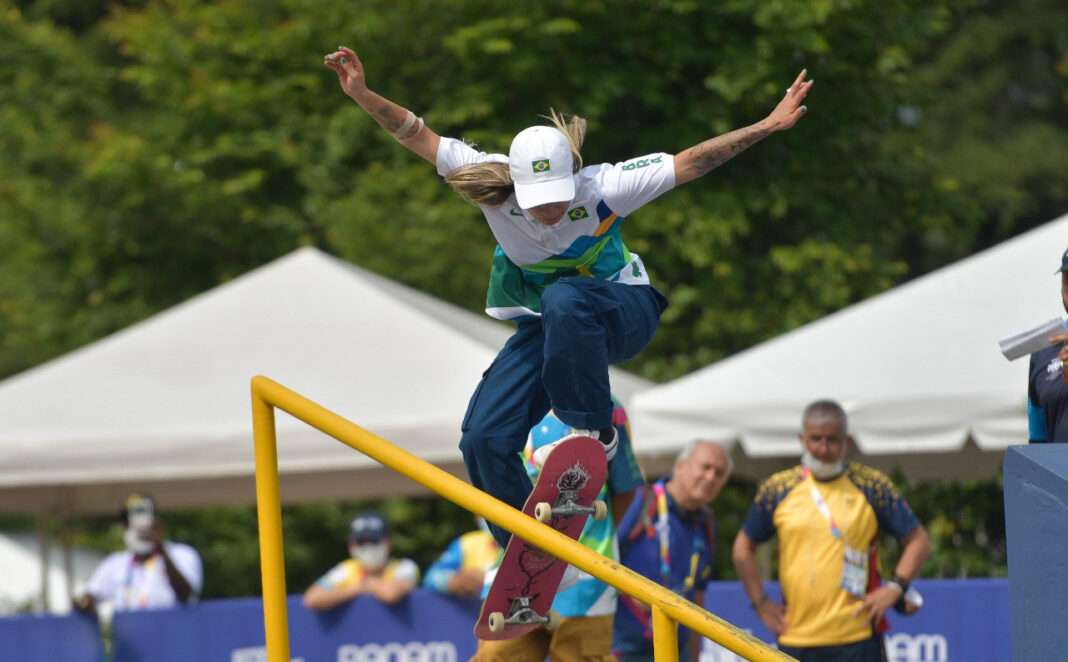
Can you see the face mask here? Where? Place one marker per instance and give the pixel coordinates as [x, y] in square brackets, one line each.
[372, 556]
[823, 470]
[135, 543]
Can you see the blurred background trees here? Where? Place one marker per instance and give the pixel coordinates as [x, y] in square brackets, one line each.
[151, 149]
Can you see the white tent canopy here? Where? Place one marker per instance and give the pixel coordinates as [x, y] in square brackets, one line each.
[917, 368]
[164, 405]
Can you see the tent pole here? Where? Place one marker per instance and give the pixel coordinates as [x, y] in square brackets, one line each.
[68, 557]
[43, 547]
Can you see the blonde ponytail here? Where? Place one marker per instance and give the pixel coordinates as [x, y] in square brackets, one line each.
[574, 127]
[486, 184]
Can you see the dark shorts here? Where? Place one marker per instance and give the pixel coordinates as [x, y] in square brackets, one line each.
[869, 650]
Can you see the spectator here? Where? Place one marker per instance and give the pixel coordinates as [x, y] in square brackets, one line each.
[461, 569]
[151, 573]
[828, 513]
[370, 571]
[1047, 382]
[586, 605]
[669, 535]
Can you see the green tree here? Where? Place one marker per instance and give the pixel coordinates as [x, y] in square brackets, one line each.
[184, 143]
[152, 149]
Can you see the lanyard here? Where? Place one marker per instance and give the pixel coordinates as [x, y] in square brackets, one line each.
[663, 529]
[821, 505]
[143, 584]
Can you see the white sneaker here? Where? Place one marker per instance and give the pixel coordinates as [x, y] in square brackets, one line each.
[542, 453]
[610, 447]
[571, 577]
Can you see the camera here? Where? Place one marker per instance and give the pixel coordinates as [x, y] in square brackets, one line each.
[141, 514]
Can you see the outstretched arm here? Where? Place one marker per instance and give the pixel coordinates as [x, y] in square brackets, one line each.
[408, 129]
[712, 153]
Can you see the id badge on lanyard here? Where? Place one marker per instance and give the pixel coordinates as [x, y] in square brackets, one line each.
[854, 571]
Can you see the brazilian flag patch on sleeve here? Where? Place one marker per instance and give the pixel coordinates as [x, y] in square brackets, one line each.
[578, 213]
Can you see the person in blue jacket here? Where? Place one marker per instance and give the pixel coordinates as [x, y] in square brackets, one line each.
[1047, 382]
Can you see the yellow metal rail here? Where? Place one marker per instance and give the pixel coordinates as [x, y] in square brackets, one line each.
[668, 609]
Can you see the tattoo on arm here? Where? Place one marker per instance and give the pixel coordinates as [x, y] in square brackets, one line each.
[716, 151]
[387, 119]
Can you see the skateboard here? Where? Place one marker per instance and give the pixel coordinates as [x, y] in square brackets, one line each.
[528, 577]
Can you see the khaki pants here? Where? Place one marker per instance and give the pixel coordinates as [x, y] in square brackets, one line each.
[583, 639]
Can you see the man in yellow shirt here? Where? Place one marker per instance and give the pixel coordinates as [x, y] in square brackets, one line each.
[828, 514]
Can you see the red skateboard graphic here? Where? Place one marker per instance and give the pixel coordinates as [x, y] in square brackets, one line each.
[528, 578]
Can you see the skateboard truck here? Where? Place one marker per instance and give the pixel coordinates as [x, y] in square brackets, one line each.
[520, 613]
[566, 507]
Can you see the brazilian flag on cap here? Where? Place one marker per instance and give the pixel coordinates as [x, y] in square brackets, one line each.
[541, 165]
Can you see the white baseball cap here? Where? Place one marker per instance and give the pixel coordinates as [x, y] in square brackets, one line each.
[540, 164]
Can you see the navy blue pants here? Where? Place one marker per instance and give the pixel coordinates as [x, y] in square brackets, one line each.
[867, 650]
[559, 361]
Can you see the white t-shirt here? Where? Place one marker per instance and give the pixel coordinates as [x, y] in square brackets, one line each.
[530, 255]
[132, 586]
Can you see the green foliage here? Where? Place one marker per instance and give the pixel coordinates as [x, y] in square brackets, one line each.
[171, 145]
[965, 521]
[151, 149]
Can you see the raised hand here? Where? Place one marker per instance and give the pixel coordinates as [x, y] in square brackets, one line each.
[790, 109]
[349, 70]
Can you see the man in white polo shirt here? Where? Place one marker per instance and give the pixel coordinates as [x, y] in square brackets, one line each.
[151, 573]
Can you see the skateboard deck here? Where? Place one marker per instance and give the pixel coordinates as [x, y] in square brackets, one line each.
[528, 578]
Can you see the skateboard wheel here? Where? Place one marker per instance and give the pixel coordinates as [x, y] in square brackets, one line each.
[543, 512]
[496, 621]
[600, 511]
[554, 619]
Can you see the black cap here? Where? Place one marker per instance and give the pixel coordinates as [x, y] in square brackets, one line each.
[1064, 262]
[136, 503]
[368, 527]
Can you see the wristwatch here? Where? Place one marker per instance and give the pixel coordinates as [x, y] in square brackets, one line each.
[900, 583]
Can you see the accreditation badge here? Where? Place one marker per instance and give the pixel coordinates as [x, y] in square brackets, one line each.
[855, 571]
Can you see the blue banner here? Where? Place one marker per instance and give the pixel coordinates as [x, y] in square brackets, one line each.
[961, 620]
[29, 638]
[425, 627]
